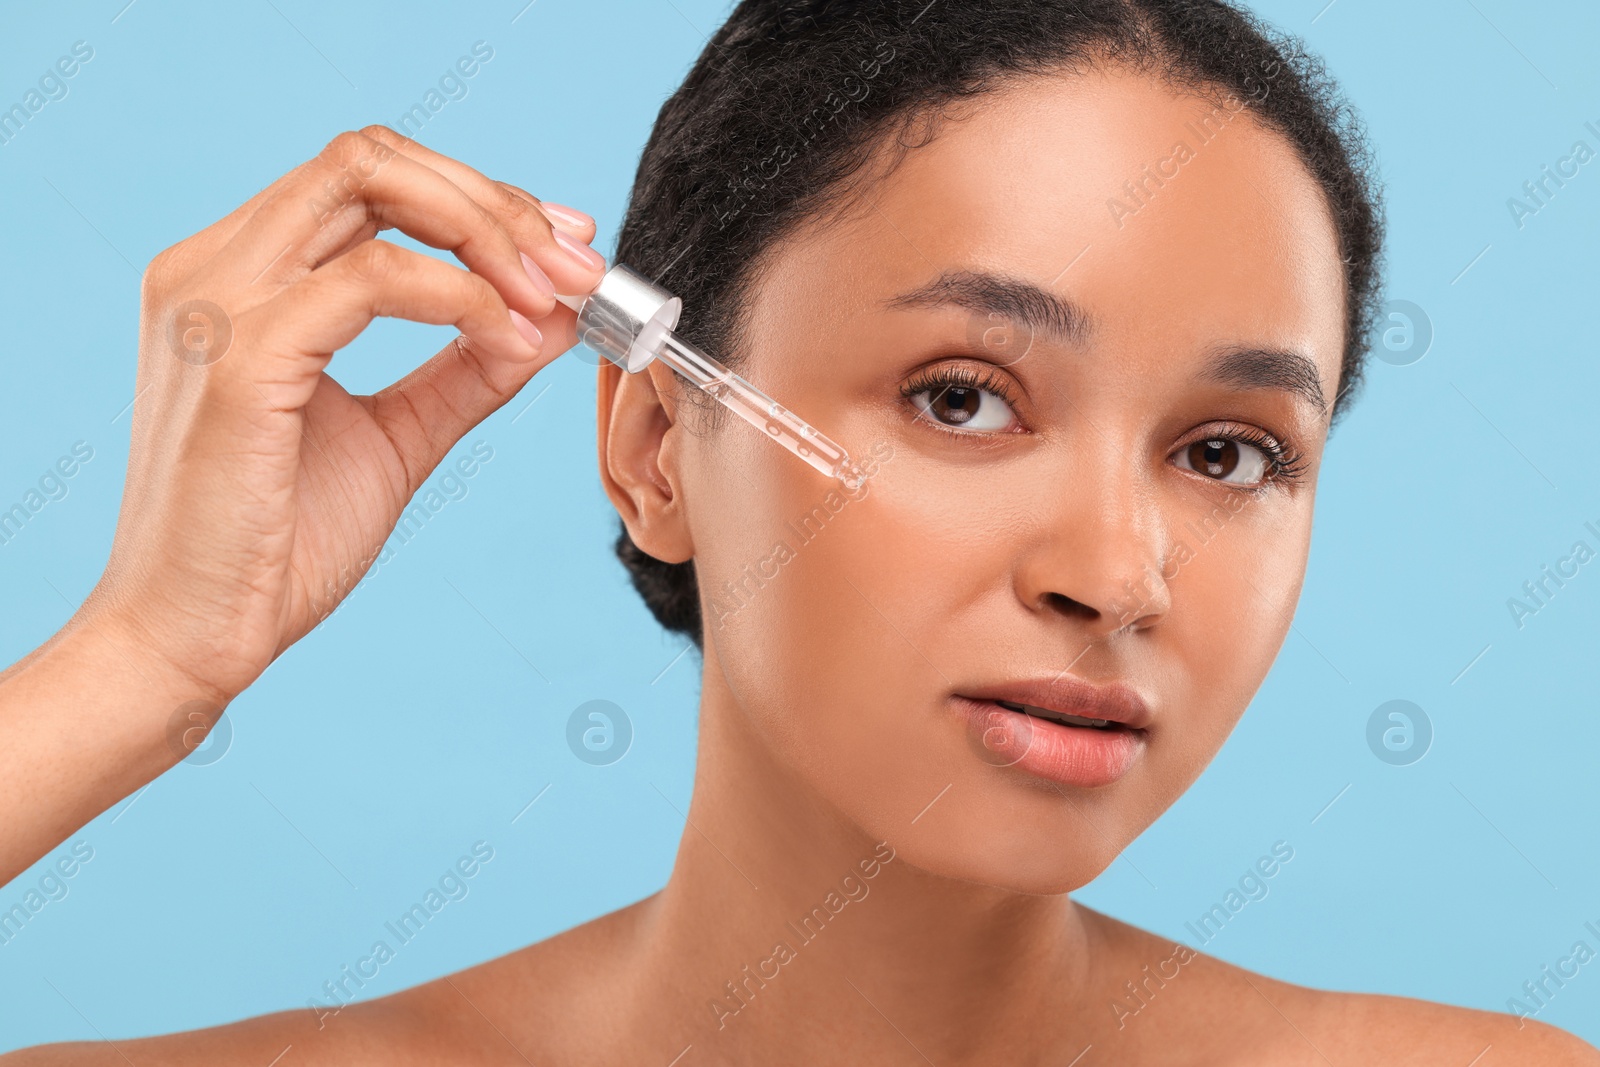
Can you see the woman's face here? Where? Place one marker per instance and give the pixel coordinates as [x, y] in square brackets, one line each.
[1089, 337]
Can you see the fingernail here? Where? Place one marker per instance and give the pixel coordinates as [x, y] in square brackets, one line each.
[569, 216]
[540, 280]
[586, 256]
[530, 333]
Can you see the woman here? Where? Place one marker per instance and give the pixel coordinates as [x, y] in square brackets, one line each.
[1072, 277]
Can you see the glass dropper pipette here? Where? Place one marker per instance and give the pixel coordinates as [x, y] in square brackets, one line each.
[629, 320]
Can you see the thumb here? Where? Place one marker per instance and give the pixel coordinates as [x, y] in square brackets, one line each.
[428, 411]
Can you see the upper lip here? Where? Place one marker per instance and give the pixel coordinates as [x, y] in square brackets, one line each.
[1068, 695]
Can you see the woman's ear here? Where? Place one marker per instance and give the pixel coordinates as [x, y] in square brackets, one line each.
[639, 438]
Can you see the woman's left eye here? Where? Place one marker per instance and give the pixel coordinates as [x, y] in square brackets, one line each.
[1226, 460]
[963, 406]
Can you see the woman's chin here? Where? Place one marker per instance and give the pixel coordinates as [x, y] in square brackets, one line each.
[1017, 865]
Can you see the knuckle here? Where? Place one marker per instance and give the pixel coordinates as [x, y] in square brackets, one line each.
[158, 273]
[344, 146]
[480, 294]
[477, 296]
[380, 133]
[373, 262]
[517, 191]
[469, 351]
[166, 271]
[349, 162]
[513, 206]
[382, 144]
[523, 214]
[353, 150]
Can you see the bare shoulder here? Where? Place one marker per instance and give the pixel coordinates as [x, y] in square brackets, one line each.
[1221, 1013]
[390, 1030]
[509, 1010]
[1369, 1027]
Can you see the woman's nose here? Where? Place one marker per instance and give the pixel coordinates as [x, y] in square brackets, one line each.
[1098, 556]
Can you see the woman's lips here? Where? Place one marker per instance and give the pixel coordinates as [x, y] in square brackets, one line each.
[1084, 756]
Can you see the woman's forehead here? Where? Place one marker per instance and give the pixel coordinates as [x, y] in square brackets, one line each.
[1158, 211]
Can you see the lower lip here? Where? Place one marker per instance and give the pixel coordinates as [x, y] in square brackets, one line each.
[1072, 755]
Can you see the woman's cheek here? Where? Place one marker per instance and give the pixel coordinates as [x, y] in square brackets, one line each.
[840, 658]
[1232, 603]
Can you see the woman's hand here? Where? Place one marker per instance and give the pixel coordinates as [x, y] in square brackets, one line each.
[259, 491]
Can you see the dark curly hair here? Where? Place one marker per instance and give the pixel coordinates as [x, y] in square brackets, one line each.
[789, 100]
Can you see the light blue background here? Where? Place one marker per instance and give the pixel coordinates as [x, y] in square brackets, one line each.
[413, 723]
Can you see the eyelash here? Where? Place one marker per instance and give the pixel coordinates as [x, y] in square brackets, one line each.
[939, 379]
[1286, 465]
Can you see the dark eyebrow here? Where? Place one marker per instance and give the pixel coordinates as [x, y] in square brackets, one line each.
[1024, 303]
[1257, 368]
[1038, 309]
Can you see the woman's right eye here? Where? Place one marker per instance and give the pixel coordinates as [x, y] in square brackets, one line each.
[960, 404]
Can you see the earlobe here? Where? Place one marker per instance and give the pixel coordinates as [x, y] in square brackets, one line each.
[638, 435]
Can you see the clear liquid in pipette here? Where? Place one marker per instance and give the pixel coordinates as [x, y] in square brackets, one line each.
[761, 411]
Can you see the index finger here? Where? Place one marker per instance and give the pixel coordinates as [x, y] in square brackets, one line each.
[531, 230]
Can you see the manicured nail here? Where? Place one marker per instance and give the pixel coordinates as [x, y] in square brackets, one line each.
[540, 280]
[586, 256]
[567, 216]
[530, 333]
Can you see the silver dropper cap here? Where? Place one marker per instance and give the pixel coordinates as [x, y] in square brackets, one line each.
[629, 320]
[626, 318]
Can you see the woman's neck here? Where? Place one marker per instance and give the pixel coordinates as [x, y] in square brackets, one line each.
[785, 930]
